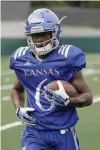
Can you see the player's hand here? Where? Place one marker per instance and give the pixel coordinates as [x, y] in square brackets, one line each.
[25, 118]
[58, 97]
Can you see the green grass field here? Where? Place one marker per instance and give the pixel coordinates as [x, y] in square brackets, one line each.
[88, 127]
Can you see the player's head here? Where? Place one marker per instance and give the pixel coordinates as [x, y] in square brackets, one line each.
[42, 30]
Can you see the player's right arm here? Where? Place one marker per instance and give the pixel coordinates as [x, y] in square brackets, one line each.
[18, 94]
[22, 112]
[18, 100]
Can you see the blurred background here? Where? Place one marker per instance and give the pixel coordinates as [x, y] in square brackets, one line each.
[80, 28]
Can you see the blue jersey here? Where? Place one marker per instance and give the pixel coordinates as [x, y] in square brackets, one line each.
[61, 64]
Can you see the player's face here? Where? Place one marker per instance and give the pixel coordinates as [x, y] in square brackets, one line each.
[38, 38]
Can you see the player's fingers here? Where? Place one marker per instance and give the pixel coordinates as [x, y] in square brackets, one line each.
[61, 87]
[26, 122]
[29, 109]
[26, 116]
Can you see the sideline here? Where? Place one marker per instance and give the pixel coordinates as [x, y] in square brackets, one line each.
[14, 124]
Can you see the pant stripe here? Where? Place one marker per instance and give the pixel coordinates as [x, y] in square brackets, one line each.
[75, 138]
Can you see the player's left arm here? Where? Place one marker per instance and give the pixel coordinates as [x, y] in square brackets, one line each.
[85, 97]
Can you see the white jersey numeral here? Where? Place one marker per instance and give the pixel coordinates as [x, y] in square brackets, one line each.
[38, 99]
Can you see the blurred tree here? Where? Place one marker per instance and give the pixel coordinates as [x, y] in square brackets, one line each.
[94, 4]
[78, 3]
[47, 3]
[86, 4]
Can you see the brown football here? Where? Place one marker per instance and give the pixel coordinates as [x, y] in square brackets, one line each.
[69, 88]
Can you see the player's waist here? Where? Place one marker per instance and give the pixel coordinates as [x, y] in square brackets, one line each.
[61, 131]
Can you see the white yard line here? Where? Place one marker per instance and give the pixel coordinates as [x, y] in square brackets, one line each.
[96, 99]
[89, 72]
[10, 125]
[14, 124]
[6, 87]
[6, 98]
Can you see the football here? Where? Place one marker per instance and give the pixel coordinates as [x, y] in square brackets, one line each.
[69, 88]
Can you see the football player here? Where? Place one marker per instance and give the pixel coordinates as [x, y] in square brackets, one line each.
[48, 124]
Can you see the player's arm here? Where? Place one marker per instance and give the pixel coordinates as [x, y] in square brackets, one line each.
[60, 97]
[18, 94]
[85, 97]
[18, 100]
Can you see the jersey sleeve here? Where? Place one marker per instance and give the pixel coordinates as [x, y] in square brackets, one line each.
[12, 62]
[76, 58]
[16, 56]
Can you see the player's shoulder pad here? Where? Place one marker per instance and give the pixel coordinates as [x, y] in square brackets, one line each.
[74, 56]
[20, 52]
